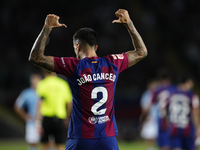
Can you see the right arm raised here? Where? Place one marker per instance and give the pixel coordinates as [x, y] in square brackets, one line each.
[37, 56]
[140, 51]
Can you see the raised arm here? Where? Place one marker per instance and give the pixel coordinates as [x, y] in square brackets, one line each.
[37, 56]
[140, 51]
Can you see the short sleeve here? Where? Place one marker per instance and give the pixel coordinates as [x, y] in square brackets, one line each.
[65, 65]
[20, 100]
[120, 60]
[146, 99]
[195, 101]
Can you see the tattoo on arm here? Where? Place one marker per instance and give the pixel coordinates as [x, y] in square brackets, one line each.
[37, 56]
[140, 51]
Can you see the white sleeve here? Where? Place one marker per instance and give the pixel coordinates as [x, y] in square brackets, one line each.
[146, 100]
[20, 100]
[195, 101]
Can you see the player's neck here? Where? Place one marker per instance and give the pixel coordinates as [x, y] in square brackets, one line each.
[33, 87]
[87, 53]
[183, 87]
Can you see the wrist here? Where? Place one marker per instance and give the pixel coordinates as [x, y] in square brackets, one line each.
[38, 123]
[129, 21]
[130, 26]
[48, 27]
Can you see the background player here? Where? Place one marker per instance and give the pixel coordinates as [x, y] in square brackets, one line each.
[55, 109]
[182, 108]
[92, 80]
[26, 107]
[159, 96]
[149, 131]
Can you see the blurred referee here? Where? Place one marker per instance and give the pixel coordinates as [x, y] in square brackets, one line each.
[54, 110]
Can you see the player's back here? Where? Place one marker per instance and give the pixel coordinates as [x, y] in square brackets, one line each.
[159, 99]
[92, 81]
[96, 79]
[93, 76]
[179, 108]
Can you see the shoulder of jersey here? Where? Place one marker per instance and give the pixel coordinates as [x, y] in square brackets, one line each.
[118, 56]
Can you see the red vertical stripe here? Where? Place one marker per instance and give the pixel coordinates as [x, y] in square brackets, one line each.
[109, 85]
[86, 103]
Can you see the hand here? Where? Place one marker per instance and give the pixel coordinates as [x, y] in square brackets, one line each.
[52, 21]
[66, 122]
[39, 127]
[123, 16]
[40, 130]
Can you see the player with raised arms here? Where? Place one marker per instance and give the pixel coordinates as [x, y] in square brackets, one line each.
[92, 80]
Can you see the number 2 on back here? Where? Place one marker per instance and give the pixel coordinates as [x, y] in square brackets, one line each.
[101, 102]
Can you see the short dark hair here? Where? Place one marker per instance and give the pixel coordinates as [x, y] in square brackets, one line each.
[183, 78]
[86, 36]
[164, 73]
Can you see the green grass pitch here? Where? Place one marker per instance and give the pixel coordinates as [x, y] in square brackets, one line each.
[21, 145]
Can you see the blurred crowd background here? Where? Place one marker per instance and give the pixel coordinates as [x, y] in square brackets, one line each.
[169, 28]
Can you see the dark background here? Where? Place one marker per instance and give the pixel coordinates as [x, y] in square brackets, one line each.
[169, 28]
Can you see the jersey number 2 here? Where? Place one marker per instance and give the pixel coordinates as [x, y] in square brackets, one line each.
[100, 102]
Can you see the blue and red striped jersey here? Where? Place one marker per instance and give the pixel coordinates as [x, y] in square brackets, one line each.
[179, 112]
[93, 82]
[159, 99]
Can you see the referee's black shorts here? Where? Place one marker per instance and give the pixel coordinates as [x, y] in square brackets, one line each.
[55, 127]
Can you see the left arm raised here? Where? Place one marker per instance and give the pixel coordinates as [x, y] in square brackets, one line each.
[37, 56]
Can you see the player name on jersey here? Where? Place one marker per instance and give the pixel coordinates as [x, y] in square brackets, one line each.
[94, 77]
